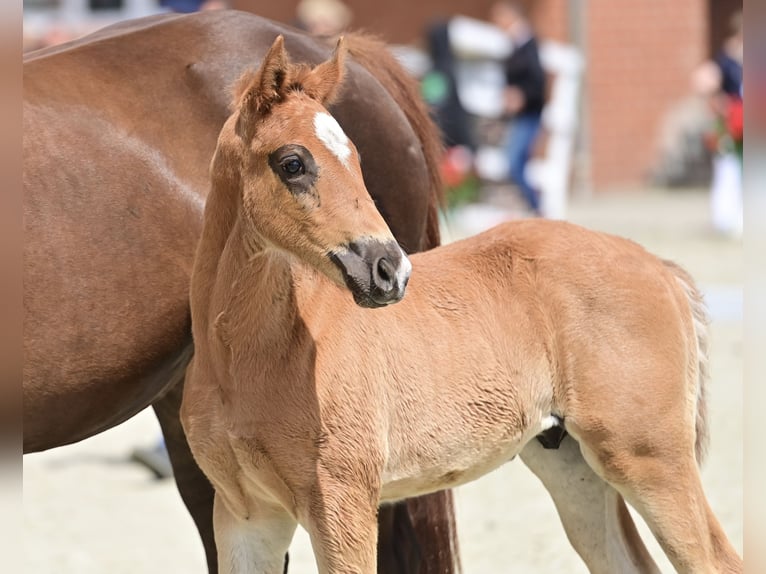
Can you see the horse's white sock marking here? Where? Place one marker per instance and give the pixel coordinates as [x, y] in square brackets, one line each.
[329, 131]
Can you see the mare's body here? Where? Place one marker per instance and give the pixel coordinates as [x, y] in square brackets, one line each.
[119, 128]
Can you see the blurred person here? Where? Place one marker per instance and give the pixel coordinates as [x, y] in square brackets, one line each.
[323, 17]
[188, 6]
[524, 94]
[720, 81]
[729, 59]
[439, 88]
[214, 5]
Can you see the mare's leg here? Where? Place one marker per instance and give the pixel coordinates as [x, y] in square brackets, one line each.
[433, 521]
[253, 544]
[398, 548]
[195, 489]
[594, 515]
[418, 536]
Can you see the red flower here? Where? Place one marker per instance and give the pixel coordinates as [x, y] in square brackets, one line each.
[735, 119]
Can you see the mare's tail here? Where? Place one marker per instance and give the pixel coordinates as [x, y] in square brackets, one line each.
[701, 332]
[374, 55]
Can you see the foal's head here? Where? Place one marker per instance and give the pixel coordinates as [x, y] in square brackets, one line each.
[302, 187]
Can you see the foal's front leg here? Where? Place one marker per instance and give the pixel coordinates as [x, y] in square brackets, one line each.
[255, 543]
[343, 527]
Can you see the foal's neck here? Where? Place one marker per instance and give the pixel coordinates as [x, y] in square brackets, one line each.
[240, 286]
[261, 294]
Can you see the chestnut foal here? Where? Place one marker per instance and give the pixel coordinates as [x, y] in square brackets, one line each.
[303, 408]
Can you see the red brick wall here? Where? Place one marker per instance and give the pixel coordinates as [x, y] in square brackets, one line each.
[640, 57]
[550, 19]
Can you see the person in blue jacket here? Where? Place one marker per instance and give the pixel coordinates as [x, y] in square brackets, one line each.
[524, 95]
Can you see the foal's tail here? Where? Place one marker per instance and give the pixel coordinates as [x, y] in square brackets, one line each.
[374, 55]
[701, 331]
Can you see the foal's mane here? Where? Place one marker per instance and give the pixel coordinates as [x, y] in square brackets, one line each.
[293, 77]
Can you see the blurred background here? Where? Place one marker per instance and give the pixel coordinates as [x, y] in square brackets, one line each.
[640, 133]
[626, 108]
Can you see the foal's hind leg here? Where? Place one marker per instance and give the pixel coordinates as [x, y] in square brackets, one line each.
[650, 460]
[668, 494]
[593, 514]
[252, 544]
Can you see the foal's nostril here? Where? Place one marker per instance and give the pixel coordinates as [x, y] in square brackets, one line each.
[385, 273]
[375, 271]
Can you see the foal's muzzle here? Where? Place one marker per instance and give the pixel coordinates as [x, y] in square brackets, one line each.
[375, 271]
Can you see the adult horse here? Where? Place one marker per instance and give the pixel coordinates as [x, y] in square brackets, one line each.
[119, 128]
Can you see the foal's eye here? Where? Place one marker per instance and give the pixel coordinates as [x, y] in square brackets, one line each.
[293, 166]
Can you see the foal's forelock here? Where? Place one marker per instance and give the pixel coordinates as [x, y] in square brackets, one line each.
[256, 93]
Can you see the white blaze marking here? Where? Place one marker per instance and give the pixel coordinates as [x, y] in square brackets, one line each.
[329, 131]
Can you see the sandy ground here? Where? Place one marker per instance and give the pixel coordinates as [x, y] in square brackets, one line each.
[88, 509]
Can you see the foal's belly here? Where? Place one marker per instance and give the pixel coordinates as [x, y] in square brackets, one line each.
[437, 466]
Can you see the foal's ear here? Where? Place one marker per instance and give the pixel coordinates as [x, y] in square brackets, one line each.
[266, 87]
[324, 81]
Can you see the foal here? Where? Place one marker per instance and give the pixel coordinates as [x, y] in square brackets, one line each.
[304, 408]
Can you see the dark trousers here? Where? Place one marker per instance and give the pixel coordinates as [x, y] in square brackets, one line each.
[521, 141]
